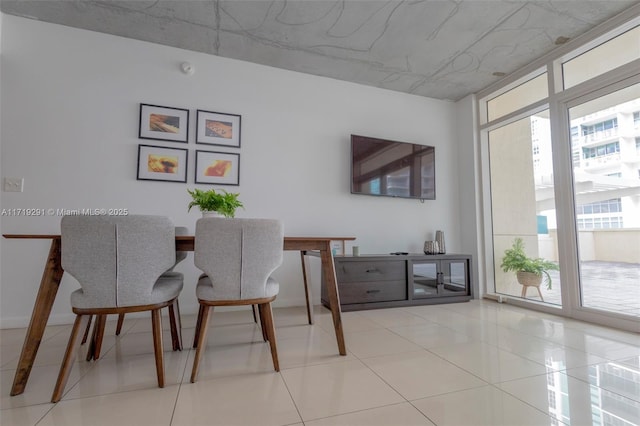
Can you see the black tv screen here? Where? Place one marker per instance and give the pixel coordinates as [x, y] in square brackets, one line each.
[393, 169]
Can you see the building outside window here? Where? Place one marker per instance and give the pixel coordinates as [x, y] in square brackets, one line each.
[606, 155]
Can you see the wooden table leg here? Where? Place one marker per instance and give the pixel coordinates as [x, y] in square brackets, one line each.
[328, 268]
[307, 291]
[49, 284]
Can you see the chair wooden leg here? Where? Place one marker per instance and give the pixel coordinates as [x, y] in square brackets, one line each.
[197, 331]
[524, 292]
[176, 326]
[69, 357]
[92, 342]
[265, 336]
[271, 332]
[156, 323]
[87, 330]
[540, 293]
[95, 346]
[101, 323]
[203, 321]
[120, 322]
[253, 310]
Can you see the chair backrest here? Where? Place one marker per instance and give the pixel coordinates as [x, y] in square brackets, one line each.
[238, 255]
[180, 255]
[117, 260]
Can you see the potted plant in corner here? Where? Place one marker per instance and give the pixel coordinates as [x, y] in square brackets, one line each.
[223, 203]
[529, 271]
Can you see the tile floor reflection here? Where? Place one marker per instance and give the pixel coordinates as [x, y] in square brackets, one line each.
[474, 363]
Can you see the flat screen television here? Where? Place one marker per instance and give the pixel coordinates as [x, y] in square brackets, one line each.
[392, 169]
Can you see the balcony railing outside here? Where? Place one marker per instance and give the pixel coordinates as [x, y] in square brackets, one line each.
[599, 136]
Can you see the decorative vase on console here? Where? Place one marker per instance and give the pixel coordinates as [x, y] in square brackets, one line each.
[440, 240]
[431, 247]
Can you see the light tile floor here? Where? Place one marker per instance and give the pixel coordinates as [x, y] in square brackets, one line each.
[474, 363]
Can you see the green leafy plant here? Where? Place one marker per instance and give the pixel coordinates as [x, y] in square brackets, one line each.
[515, 259]
[222, 202]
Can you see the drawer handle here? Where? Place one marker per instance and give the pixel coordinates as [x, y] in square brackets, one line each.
[373, 291]
[373, 271]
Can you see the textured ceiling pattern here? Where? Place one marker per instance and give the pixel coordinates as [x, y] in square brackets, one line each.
[436, 48]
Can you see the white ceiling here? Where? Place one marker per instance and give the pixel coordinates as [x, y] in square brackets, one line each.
[435, 48]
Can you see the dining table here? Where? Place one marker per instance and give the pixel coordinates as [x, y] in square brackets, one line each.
[53, 272]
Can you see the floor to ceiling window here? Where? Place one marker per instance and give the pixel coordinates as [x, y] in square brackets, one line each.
[561, 158]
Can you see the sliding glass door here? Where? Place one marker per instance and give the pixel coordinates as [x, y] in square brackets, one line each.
[605, 148]
[523, 204]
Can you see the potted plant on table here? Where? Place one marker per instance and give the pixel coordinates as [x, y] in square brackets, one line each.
[224, 203]
[529, 271]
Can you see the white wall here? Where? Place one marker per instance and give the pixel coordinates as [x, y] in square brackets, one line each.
[70, 102]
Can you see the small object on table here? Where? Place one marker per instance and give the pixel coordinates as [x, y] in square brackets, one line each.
[431, 247]
[440, 240]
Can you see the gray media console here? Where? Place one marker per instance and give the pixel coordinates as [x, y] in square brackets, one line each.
[384, 281]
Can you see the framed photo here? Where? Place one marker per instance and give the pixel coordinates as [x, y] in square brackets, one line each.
[218, 168]
[164, 123]
[216, 128]
[161, 163]
[337, 248]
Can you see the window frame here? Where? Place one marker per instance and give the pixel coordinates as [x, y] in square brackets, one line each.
[558, 102]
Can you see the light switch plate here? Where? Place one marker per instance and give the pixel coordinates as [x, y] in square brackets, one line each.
[13, 184]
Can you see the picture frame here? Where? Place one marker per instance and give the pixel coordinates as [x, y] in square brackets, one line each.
[337, 248]
[162, 163]
[217, 168]
[217, 128]
[163, 123]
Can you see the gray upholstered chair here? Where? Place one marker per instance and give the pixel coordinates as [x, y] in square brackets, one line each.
[118, 262]
[176, 328]
[174, 310]
[237, 257]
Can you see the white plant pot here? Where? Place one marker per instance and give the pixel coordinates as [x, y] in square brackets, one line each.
[211, 214]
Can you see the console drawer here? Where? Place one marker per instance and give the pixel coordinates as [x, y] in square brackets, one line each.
[379, 291]
[371, 271]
